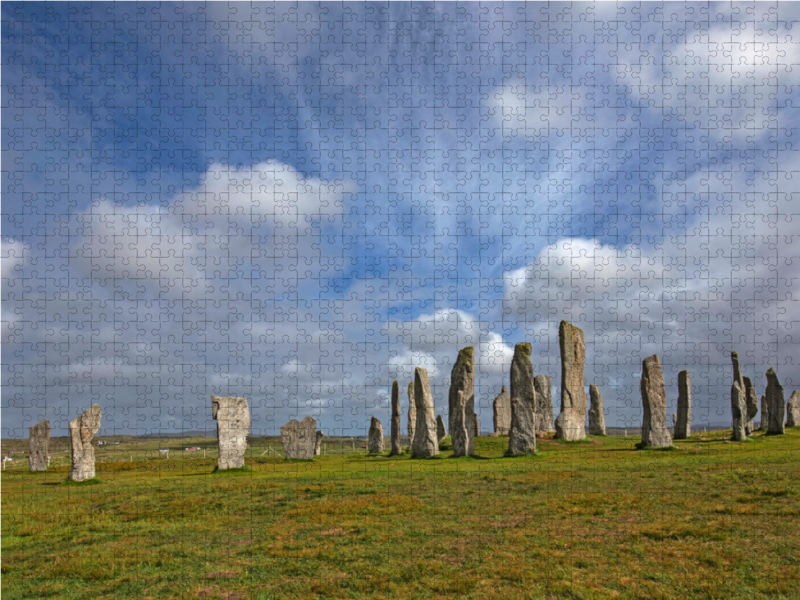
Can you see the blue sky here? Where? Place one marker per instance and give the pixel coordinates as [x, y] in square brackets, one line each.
[299, 203]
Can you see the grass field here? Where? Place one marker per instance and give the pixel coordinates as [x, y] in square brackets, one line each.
[594, 519]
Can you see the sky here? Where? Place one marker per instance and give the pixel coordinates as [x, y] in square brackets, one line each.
[299, 203]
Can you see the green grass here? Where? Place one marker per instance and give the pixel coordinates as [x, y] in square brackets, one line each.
[708, 519]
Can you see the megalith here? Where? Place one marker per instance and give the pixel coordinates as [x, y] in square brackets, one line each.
[777, 404]
[459, 435]
[233, 424]
[425, 444]
[299, 438]
[654, 402]
[476, 429]
[738, 406]
[751, 404]
[462, 379]
[522, 434]
[395, 426]
[81, 432]
[597, 420]
[571, 423]
[375, 440]
[412, 413]
[441, 431]
[793, 410]
[544, 403]
[501, 412]
[39, 440]
[764, 424]
[318, 443]
[683, 425]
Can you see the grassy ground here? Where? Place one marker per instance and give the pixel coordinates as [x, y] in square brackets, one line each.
[598, 519]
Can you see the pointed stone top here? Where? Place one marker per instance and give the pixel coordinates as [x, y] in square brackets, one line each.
[771, 372]
[466, 355]
[734, 354]
[504, 390]
[524, 348]
[395, 387]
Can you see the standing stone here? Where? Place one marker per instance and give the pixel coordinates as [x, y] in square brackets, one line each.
[522, 434]
[459, 433]
[462, 379]
[425, 443]
[395, 427]
[683, 425]
[233, 424]
[571, 423]
[793, 410]
[412, 413]
[544, 403]
[764, 425]
[318, 444]
[738, 407]
[597, 420]
[39, 439]
[81, 432]
[751, 404]
[777, 404]
[502, 412]
[654, 401]
[476, 429]
[441, 432]
[299, 438]
[375, 440]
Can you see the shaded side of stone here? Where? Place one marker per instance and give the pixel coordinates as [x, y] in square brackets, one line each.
[597, 420]
[654, 403]
[233, 424]
[751, 404]
[764, 424]
[395, 426]
[544, 403]
[412, 413]
[501, 412]
[81, 432]
[738, 407]
[793, 410]
[459, 433]
[683, 424]
[522, 434]
[441, 430]
[39, 441]
[777, 404]
[318, 443]
[299, 438]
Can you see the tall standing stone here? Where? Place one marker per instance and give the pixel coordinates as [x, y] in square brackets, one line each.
[764, 424]
[459, 433]
[571, 423]
[395, 428]
[318, 443]
[441, 431]
[597, 420]
[544, 403]
[39, 439]
[375, 440]
[738, 406]
[462, 379]
[425, 444]
[233, 424]
[777, 404]
[501, 410]
[299, 438]
[751, 404]
[654, 401]
[522, 434]
[476, 429]
[683, 426]
[412, 413]
[793, 410]
[81, 432]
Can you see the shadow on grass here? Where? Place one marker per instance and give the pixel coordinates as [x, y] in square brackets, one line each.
[92, 481]
[641, 446]
[244, 469]
[473, 457]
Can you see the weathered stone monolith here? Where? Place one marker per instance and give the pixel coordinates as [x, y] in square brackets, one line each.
[571, 423]
[425, 444]
[375, 440]
[300, 438]
[462, 379]
[459, 435]
[395, 428]
[412, 413]
[764, 424]
[751, 404]
[441, 431]
[233, 424]
[501, 409]
[793, 410]
[597, 420]
[683, 426]
[39, 440]
[777, 404]
[81, 432]
[318, 443]
[476, 429]
[522, 434]
[654, 401]
[738, 406]
[544, 403]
